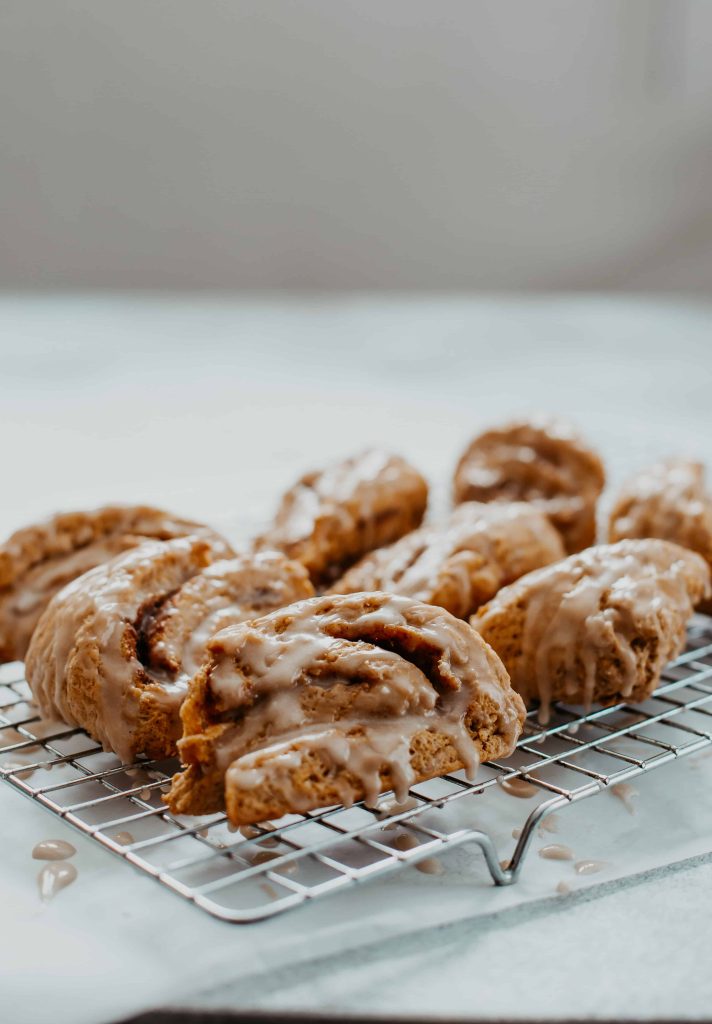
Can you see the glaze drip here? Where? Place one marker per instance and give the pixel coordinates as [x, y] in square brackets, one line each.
[668, 501]
[594, 608]
[348, 682]
[330, 518]
[136, 629]
[463, 563]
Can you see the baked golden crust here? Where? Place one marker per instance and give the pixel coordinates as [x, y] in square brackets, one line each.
[541, 461]
[668, 501]
[114, 651]
[329, 519]
[38, 560]
[337, 699]
[599, 626]
[462, 563]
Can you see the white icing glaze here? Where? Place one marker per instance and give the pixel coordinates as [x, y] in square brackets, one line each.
[55, 877]
[332, 517]
[123, 838]
[625, 793]
[555, 851]
[429, 866]
[592, 604]
[462, 563]
[101, 620]
[589, 867]
[668, 501]
[266, 667]
[39, 560]
[334, 487]
[53, 849]
[518, 787]
[107, 604]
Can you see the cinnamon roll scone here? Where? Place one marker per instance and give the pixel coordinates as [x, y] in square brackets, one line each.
[337, 699]
[669, 501]
[329, 519]
[115, 649]
[542, 461]
[599, 626]
[38, 560]
[461, 563]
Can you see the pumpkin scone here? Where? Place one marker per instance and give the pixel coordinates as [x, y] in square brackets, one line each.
[330, 518]
[462, 563]
[668, 501]
[541, 461]
[114, 650]
[598, 627]
[337, 699]
[38, 560]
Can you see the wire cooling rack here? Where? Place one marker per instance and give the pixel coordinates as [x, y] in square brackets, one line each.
[252, 873]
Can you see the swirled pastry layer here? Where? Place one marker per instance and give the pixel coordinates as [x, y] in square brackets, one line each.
[599, 626]
[39, 560]
[541, 461]
[329, 519]
[114, 650]
[338, 699]
[462, 563]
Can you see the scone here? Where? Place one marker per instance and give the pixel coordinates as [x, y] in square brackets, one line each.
[599, 626]
[115, 649]
[542, 461]
[668, 501]
[39, 560]
[462, 563]
[329, 519]
[337, 699]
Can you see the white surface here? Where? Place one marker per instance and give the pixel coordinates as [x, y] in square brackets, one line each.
[210, 408]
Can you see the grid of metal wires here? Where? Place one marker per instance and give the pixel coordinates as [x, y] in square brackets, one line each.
[252, 873]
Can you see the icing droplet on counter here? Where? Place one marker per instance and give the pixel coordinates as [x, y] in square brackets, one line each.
[516, 832]
[563, 888]
[589, 867]
[124, 838]
[430, 866]
[263, 856]
[549, 824]
[405, 842]
[625, 793]
[55, 877]
[556, 852]
[53, 849]
[518, 787]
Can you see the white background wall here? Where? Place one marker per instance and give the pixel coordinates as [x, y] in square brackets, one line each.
[356, 143]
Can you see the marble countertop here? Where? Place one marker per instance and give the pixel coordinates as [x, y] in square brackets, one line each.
[210, 406]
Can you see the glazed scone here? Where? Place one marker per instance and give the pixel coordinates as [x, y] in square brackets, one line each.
[462, 563]
[337, 699]
[541, 461]
[329, 519]
[115, 649]
[599, 626]
[39, 560]
[668, 501]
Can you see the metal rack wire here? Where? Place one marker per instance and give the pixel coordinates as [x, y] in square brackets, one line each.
[249, 874]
